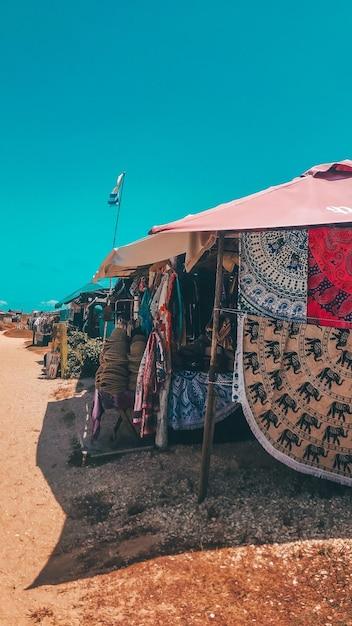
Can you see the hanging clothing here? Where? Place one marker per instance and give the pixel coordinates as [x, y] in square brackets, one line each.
[146, 320]
[151, 376]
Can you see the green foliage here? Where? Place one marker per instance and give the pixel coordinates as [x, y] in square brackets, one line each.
[83, 354]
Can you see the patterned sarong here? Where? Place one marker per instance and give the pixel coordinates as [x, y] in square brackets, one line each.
[330, 276]
[295, 386]
[273, 273]
[188, 395]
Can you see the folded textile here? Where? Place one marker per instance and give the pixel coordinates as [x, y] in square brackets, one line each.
[295, 385]
[273, 273]
[112, 374]
[151, 377]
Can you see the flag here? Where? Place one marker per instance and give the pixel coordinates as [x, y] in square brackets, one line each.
[114, 197]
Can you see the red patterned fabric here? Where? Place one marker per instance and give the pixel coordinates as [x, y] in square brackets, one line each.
[330, 276]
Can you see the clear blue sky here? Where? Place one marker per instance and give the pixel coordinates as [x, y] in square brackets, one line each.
[200, 102]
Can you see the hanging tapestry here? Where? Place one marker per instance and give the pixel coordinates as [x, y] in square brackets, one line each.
[295, 386]
[273, 273]
[187, 399]
[330, 276]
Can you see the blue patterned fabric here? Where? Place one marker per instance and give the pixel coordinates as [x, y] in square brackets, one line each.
[187, 399]
[274, 273]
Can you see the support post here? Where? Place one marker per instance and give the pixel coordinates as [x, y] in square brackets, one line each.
[63, 348]
[208, 433]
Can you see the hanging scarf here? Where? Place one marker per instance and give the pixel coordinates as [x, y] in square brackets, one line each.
[151, 376]
[330, 276]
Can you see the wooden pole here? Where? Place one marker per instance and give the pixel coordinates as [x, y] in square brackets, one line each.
[63, 348]
[209, 414]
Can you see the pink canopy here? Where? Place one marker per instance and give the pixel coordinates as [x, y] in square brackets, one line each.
[322, 195]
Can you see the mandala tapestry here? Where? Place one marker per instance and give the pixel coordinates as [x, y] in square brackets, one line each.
[273, 273]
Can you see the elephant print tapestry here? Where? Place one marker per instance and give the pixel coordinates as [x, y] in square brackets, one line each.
[273, 273]
[330, 276]
[295, 386]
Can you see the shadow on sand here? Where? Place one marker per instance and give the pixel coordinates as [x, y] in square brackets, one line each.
[142, 505]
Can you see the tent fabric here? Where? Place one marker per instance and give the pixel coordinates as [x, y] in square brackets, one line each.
[322, 195]
[125, 260]
[87, 288]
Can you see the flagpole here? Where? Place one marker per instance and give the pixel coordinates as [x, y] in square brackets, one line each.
[118, 207]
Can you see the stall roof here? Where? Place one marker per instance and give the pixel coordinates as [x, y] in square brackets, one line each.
[322, 195]
[88, 288]
[125, 260]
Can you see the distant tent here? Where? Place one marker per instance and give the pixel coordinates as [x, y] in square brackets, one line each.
[102, 285]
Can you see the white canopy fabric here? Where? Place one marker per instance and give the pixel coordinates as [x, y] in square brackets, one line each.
[125, 260]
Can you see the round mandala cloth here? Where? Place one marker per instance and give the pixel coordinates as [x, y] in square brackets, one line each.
[273, 273]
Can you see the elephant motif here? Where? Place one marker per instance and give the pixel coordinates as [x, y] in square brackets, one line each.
[291, 361]
[277, 325]
[251, 361]
[313, 453]
[309, 391]
[334, 433]
[269, 418]
[343, 461]
[288, 439]
[276, 379]
[328, 376]
[273, 349]
[293, 330]
[259, 393]
[252, 330]
[306, 422]
[341, 337]
[345, 359]
[339, 409]
[314, 348]
[286, 402]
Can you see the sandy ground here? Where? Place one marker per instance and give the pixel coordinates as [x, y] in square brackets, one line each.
[31, 518]
[127, 543]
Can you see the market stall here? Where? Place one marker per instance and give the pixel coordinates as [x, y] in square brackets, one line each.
[89, 308]
[289, 311]
[173, 309]
[295, 278]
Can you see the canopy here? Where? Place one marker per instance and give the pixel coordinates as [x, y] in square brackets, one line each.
[322, 195]
[125, 260]
[88, 288]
